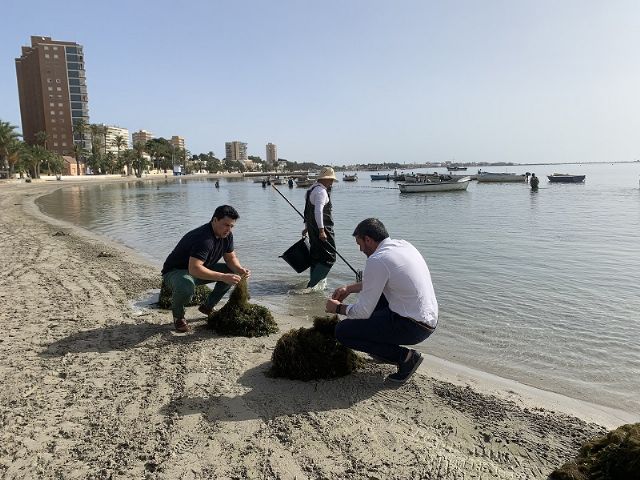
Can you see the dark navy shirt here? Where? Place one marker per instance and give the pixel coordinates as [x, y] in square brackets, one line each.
[199, 243]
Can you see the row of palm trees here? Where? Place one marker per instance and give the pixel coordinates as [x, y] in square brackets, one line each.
[18, 157]
[90, 147]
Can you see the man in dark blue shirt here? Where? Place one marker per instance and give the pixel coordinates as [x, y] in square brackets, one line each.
[194, 261]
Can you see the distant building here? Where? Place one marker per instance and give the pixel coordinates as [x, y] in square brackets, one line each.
[53, 92]
[177, 142]
[141, 136]
[112, 133]
[272, 154]
[236, 151]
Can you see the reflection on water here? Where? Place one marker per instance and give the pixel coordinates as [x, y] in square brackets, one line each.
[538, 286]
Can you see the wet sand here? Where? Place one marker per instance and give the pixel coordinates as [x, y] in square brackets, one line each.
[93, 389]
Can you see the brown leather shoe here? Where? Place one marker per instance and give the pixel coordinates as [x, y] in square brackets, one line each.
[181, 325]
[205, 310]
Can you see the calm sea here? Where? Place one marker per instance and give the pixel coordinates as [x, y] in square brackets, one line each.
[541, 287]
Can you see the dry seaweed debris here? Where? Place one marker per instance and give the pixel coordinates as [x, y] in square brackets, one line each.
[199, 297]
[615, 456]
[239, 317]
[313, 353]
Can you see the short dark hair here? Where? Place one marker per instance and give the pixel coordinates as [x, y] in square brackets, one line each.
[372, 228]
[225, 211]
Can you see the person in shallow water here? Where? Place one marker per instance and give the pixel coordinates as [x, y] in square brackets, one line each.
[195, 261]
[534, 182]
[318, 224]
[396, 303]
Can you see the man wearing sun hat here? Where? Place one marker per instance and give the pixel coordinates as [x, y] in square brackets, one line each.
[319, 226]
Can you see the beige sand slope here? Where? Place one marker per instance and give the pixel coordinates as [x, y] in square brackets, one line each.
[92, 390]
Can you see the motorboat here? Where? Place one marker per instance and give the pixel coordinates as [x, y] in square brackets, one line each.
[430, 185]
[565, 178]
[380, 176]
[454, 168]
[350, 178]
[304, 182]
[500, 177]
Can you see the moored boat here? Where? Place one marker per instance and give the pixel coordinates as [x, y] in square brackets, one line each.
[500, 177]
[454, 168]
[304, 182]
[379, 176]
[350, 178]
[435, 185]
[565, 178]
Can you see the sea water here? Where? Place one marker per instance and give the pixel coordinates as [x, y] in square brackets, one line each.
[540, 287]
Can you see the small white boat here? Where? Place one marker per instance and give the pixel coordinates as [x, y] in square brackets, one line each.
[500, 177]
[304, 182]
[435, 186]
[350, 178]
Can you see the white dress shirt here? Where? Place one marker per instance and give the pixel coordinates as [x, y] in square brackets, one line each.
[398, 270]
[319, 198]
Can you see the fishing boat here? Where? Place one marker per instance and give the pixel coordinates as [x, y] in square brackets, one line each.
[565, 178]
[380, 176]
[350, 178]
[500, 177]
[304, 182]
[435, 185]
[454, 168]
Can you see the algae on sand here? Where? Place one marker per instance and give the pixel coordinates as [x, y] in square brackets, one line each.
[615, 456]
[313, 353]
[239, 317]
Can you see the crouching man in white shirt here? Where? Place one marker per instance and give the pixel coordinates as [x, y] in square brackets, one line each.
[397, 304]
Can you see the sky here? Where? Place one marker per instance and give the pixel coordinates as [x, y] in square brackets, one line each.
[340, 82]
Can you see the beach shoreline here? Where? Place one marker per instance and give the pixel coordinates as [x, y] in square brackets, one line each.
[94, 389]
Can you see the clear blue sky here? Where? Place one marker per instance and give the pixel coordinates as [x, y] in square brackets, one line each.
[342, 82]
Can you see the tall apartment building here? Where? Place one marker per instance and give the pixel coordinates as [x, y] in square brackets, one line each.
[177, 142]
[236, 151]
[53, 92]
[112, 133]
[272, 154]
[141, 136]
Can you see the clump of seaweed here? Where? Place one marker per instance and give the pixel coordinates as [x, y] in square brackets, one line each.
[313, 353]
[239, 317]
[199, 297]
[615, 456]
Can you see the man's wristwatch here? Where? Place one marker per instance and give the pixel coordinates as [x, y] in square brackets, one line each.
[340, 305]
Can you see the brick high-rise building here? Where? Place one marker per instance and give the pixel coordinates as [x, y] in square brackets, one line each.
[53, 92]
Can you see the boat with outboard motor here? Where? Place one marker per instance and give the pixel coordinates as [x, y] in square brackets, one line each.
[500, 177]
[565, 178]
[434, 185]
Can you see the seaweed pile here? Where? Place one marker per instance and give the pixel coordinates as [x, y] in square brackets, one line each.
[199, 297]
[313, 353]
[239, 317]
[615, 456]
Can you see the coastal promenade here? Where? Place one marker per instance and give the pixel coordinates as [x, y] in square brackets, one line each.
[95, 389]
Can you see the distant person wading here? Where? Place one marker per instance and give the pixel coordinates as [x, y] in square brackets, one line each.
[319, 226]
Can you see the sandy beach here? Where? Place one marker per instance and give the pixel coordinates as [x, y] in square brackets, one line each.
[93, 389]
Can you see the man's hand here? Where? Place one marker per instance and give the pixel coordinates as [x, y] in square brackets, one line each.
[323, 235]
[340, 294]
[231, 278]
[304, 232]
[244, 272]
[331, 305]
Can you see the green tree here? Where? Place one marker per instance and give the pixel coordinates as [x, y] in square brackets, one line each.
[79, 145]
[34, 157]
[140, 162]
[8, 138]
[120, 142]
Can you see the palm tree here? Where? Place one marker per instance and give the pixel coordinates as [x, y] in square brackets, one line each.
[119, 143]
[42, 139]
[79, 129]
[8, 137]
[96, 157]
[36, 155]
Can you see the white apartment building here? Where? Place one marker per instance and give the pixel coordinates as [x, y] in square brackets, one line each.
[112, 132]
